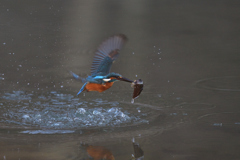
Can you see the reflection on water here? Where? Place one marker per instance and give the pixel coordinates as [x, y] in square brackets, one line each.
[138, 152]
[100, 152]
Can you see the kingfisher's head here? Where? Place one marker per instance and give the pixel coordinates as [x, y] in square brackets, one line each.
[111, 77]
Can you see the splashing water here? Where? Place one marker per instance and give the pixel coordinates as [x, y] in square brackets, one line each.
[63, 111]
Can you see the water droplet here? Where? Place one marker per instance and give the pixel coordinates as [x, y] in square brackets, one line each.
[132, 101]
[26, 116]
[112, 110]
[81, 111]
[217, 124]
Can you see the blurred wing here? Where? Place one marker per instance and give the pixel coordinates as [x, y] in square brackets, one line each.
[106, 53]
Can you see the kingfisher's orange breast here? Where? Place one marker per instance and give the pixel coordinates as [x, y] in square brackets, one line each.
[98, 87]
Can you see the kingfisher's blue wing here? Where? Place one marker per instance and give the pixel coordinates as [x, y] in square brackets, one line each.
[106, 53]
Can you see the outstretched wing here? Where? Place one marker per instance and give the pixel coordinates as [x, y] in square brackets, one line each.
[106, 53]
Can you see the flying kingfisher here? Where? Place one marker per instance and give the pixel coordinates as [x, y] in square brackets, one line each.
[101, 79]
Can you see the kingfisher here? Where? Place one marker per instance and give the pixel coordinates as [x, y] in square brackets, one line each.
[101, 78]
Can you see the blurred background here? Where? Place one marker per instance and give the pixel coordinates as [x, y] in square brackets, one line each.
[186, 52]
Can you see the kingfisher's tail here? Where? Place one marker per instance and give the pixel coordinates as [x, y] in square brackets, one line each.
[77, 77]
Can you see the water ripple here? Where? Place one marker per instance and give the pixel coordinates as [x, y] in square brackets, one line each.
[229, 83]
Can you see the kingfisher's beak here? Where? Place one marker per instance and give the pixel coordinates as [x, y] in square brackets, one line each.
[124, 79]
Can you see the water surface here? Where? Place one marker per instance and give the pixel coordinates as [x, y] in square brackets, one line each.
[187, 54]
